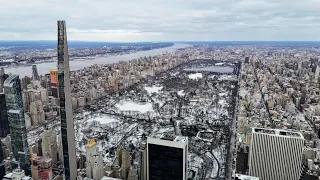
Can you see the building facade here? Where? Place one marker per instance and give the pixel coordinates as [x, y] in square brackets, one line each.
[42, 168]
[4, 123]
[66, 116]
[275, 154]
[49, 145]
[17, 126]
[54, 83]
[35, 75]
[167, 158]
[94, 162]
[143, 161]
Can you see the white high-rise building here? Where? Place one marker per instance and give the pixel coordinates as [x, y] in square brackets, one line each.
[94, 161]
[275, 154]
[49, 145]
[167, 158]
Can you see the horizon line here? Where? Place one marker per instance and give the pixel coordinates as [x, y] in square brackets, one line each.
[166, 41]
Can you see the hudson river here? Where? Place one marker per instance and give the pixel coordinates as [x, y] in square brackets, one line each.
[44, 68]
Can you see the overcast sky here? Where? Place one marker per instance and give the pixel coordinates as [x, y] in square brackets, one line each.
[161, 20]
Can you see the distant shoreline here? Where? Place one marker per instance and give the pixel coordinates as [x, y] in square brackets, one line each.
[79, 58]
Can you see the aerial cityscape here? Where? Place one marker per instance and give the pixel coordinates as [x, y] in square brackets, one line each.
[206, 94]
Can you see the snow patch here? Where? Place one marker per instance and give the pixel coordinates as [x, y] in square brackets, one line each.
[195, 76]
[228, 78]
[153, 89]
[103, 119]
[132, 106]
[175, 74]
[180, 93]
[222, 102]
[243, 93]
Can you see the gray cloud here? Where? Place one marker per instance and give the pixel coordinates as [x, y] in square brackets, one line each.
[161, 20]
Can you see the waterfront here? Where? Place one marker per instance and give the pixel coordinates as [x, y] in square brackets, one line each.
[44, 68]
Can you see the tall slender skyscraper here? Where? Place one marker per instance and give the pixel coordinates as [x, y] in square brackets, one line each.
[66, 116]
[4, 123]
[1, 79]
[17, 125]
[35, 75]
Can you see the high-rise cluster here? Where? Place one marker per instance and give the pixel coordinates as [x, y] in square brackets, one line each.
[17, 126]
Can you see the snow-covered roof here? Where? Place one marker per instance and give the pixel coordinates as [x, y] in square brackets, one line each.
[245, 177]
[13, 111]
[109, 178]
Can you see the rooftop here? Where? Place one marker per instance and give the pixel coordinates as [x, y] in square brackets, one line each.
[171, 137]
[180, 139]
[14, 111]
[109, 178]
[9, 81]
[245, 177]
[91, 143]
[278, 132]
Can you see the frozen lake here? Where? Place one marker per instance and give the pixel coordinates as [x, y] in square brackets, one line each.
[218, 69]
[44, 68]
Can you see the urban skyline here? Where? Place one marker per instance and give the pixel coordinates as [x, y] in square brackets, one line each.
[161, 110]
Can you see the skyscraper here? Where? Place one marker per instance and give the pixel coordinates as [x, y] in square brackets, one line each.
[54, 83]
[4, 123]
[66, 116]
[167, 158]
[275, 154]
[94, 162]
[143, 161]
[2, 166]
[49, 145]
[1, 79]
[18, 132]
[35, 75]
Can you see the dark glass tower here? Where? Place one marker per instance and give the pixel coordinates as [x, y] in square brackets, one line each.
[66, 116]
[165, 162]
[1, 79]
[18, 132]
[2, 168]
[167, 158]
[4, 123]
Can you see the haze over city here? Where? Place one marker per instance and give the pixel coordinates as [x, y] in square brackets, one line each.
[159, 90]
[162, 20]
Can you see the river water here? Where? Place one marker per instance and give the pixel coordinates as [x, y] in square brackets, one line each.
[44, 68]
